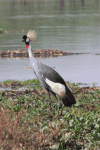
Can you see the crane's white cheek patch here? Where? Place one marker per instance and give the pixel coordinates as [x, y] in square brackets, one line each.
[57, 88]
[27, 40]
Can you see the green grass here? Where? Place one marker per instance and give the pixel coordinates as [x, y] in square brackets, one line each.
[27, 124]
[30, 82]
[27, 82]
[1, 30]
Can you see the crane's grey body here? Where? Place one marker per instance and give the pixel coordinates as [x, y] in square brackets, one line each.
[50, 79]
[44, 72]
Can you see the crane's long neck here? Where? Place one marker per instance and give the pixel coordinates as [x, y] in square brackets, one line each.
[31, 56]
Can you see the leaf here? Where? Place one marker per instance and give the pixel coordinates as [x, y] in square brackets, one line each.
[71, 123]
[44, 128]
[97, 126]
[55, 146]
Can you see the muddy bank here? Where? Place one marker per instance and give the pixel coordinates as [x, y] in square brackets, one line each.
[18, 93]
[35, 82]
[10, 84]
[34, 89]
[37, 53]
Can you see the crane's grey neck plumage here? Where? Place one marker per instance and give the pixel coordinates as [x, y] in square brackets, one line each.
[31, 55]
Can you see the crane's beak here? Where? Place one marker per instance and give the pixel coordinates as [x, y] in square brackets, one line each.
[23, 40]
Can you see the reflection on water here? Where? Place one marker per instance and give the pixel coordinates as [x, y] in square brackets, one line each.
[72, 26]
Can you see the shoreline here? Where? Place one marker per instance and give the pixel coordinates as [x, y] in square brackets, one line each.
[14, 85]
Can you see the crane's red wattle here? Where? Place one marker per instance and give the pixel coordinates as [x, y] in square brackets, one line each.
[27, 46]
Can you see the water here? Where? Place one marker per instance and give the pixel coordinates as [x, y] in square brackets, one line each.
[72, 26]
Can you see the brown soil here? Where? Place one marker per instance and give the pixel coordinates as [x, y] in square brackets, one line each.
[90, 107]
[16, 84]
[37, 53]
[18, 93]
[86, 89]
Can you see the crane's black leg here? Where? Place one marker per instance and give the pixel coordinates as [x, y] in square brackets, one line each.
[49, 101]
[60, 105]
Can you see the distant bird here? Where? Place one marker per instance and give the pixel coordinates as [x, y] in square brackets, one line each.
[47, 76]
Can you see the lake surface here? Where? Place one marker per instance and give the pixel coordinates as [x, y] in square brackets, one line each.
[72, 26]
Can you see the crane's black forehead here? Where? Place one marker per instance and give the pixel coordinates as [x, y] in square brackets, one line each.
[24, 37]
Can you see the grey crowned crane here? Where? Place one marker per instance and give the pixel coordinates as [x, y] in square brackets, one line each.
[47, 76]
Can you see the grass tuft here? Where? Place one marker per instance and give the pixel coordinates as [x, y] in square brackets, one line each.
[27, 82]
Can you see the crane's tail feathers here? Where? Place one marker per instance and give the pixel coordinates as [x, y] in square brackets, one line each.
[70, 99]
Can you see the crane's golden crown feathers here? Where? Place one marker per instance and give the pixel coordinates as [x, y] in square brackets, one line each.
[31, 35]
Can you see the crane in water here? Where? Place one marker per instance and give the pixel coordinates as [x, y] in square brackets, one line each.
[47, 76]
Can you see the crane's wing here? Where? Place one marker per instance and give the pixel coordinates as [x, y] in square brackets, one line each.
[50, 74]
